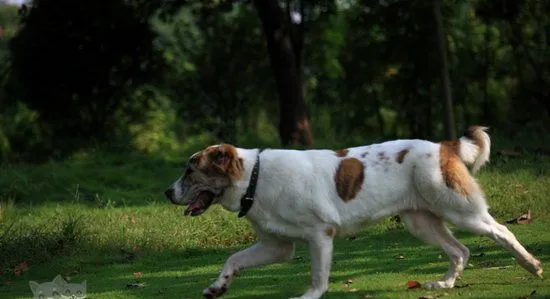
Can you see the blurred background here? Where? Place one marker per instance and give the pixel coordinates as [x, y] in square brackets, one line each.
[151, 76]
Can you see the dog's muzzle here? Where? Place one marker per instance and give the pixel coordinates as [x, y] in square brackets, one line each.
[170, 194]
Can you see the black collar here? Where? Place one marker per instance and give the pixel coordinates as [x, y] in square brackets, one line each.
[248, 197]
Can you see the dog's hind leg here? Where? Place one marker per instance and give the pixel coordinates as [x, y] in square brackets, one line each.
[431, 229]
[484, 224]
[262, 253]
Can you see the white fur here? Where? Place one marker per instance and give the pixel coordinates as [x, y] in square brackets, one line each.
[296, 199]
[471, 154]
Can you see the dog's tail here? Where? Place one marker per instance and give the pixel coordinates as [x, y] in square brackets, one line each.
[475, 147]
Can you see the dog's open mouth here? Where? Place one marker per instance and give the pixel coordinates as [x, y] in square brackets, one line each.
[201, 203]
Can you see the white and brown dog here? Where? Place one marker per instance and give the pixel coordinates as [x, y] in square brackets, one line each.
[316, 195]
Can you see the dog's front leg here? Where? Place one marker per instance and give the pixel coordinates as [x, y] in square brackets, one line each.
[261, 253]
[320, 248]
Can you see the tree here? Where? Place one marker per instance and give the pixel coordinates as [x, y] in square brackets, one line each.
[77, 61]
[211, 76]
[448, 116]
[284, 47]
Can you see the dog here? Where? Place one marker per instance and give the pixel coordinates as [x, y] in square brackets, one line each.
[318, 194]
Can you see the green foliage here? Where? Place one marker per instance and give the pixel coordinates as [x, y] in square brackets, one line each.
[171, 72]
[211, 69]
[75, 63]
[148, 122]
[20, 132]
[8, 19]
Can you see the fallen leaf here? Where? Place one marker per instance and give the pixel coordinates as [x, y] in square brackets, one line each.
[349, 281]
[137, 275]
[413, 284]
[353, 290]
[523, 219]
[399, 257]
[426, 297]
[478, 254]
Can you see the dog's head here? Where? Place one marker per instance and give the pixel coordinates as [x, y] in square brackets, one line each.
[207, 174]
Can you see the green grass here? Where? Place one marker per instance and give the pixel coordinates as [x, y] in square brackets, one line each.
[101, 217]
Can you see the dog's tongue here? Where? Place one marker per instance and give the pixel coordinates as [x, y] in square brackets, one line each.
[199, 205]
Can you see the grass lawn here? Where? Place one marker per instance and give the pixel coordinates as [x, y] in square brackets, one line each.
[102, 217]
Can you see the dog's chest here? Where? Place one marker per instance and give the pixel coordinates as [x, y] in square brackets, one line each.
[275, 226]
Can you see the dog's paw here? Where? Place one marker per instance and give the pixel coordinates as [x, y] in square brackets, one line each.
[539, 271]
[214, 292]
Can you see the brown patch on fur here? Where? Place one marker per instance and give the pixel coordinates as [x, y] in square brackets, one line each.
[331, 232]
[349, 178]
[342, 152]
[455, 173]
[401, 156]
[222, 159]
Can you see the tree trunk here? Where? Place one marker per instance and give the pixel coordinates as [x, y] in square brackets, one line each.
[487, 114]
[294, 126]
[448, 120]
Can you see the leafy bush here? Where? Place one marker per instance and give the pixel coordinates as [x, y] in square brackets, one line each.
[147, 122]
[21, 134]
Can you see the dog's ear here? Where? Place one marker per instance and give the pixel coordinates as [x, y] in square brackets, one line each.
[222, 159]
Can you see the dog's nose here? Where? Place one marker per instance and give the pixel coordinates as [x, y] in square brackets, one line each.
[169, 193]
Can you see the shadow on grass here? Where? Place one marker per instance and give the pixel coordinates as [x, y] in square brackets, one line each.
[378, 263]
